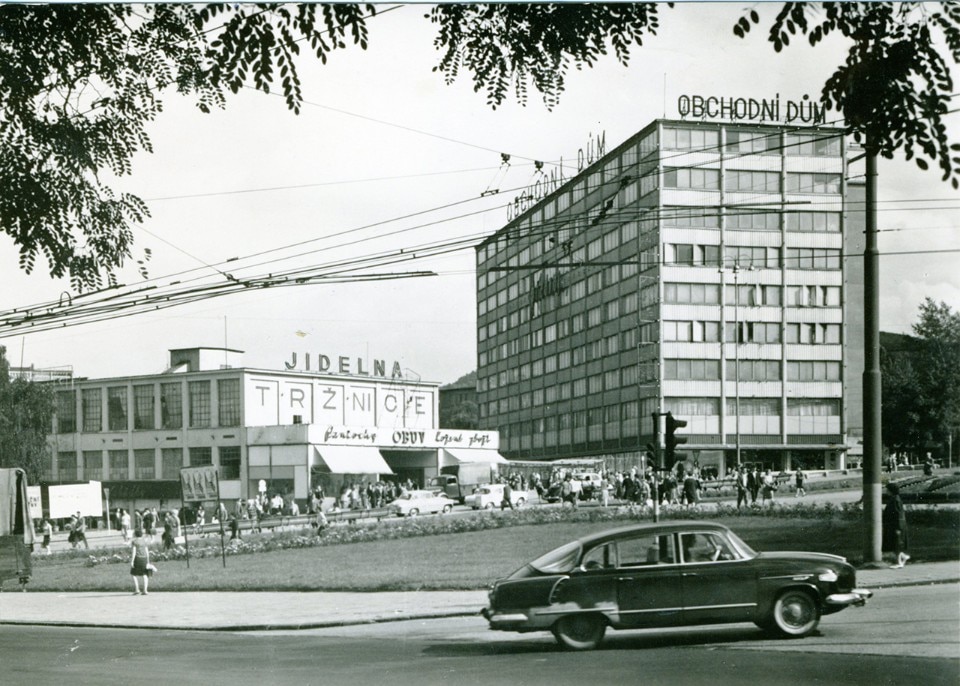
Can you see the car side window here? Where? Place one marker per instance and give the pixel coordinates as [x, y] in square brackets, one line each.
[601, 557]
[706, 547]
[646, 550]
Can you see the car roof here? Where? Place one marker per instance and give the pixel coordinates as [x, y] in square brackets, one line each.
[655, 527]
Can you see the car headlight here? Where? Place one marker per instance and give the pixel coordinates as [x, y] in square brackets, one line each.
[829, 576]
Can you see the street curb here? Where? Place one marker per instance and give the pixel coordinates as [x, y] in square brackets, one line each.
[245, 627]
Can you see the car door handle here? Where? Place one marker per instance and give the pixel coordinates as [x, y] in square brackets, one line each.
[690, 574]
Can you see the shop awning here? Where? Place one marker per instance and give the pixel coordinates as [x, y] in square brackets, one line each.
[349, 459]
[461, 455]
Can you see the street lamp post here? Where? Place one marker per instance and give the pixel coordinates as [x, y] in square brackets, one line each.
[735, 270]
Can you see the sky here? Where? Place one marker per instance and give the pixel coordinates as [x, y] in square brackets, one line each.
[385, 155]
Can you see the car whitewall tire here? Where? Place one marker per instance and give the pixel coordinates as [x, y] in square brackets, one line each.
[795, 614]
[580, 631]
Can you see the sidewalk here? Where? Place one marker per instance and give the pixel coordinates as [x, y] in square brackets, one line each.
[303, 610]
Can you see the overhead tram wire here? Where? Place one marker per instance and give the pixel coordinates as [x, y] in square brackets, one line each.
[369, 238]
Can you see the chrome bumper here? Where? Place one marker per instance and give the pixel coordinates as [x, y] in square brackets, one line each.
[857, 596]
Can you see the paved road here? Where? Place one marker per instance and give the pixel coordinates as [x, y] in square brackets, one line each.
[905, 636]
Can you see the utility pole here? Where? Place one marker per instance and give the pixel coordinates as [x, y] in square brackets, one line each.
[872, 441]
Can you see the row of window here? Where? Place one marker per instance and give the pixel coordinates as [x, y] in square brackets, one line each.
[141, 464]
[627, 377]
[735, 180]
[750, 370]
[752, 142]
[621, 420]
[543, 240]
[146, 398]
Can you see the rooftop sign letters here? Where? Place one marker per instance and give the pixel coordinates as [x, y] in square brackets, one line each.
[805, 111]
[545, 183]
[345, 365]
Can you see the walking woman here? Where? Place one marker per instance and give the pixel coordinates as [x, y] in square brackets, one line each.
[895, 538]
[140, 566]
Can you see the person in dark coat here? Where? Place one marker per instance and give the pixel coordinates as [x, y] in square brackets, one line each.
[895, 538]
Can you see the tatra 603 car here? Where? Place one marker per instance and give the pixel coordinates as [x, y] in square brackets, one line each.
[663, 575]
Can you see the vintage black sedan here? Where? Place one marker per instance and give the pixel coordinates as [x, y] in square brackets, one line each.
[663, 575]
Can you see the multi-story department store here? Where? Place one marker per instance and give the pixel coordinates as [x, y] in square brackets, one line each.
[691, 252]
[355, 420]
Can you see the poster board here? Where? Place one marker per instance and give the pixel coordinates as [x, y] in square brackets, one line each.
[66, 501]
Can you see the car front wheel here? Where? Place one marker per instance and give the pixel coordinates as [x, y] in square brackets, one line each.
[413, 513]
[446, 509]
[580, 632]
[488, 506]
[521, 502]
[795, 614]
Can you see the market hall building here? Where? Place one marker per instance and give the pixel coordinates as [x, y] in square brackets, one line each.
[319, 420]
[693, 255]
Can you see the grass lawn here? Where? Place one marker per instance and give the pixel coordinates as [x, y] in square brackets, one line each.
[464, 560]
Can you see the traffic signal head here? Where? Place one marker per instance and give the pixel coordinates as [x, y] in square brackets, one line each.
[671, 440]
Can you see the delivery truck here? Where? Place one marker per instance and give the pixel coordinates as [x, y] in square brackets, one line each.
[460, 480]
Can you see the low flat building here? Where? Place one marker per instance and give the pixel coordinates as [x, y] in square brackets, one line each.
[319, 420]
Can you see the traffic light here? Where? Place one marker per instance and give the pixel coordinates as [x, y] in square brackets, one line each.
[671, 441]
[653, 448]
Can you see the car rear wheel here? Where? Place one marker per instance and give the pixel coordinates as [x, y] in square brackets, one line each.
[446, 509]
[580, 632]
[413, 512]
[521, 502]
[795, 614]
[488, 506]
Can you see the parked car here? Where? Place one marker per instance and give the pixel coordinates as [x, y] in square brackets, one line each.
[661, 575]
[413, 503]
[490, 496]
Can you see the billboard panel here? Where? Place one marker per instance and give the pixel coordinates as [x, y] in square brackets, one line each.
[200, 483]
[66, 501]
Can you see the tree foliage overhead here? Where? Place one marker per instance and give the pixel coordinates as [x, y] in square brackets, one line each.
[79, 85]
[895, 87]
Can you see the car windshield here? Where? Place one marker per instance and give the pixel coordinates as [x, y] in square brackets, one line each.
[558, 561]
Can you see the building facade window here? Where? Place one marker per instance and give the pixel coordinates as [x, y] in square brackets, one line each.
[754, 370]
[813, 370]
[817, 222]
[199, 393]
[143, 407]
[812, 334]
[92, 465]
[691, 178]
[117, 408]
[171, 405]
[67, 412]
[171, 462]
[691, 370]
[803, 182]
[706, 140]
[813, 258]
[67, 466]
[691, 293]
[144, 464]
[751, 181]
[229, 462]
[92, 410]
[753, 221]
[228, 401]
[753, 142]
[119, 465]
[201, 457]
[752, 332]
[812, 144]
